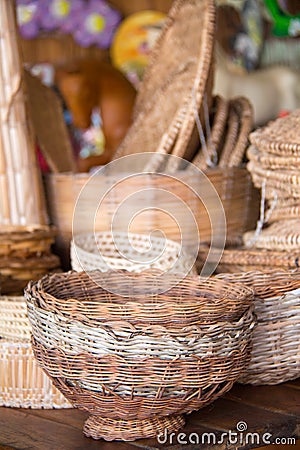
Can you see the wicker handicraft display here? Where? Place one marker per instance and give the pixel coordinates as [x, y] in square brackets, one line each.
[25, 255]
[22, 382]
[181, 62]
[128, 251]
[276, 352]
[138, 363]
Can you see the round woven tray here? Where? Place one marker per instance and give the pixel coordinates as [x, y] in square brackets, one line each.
[128, 251]
[15, 272]
[181, 62]
[214, 140]
[22, 382]
[244, 110]
[276, 353]
[136, 360]
[245, 260]
[283, 235]
[22, 242]
[279, 137]
[273, 162]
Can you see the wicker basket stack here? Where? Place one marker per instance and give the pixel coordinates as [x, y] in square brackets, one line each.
[276, 352]
[25, 255]
[274, 165]
[23, 383]
[138, 362]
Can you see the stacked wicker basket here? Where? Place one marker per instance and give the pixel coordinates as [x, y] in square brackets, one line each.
[272, 247]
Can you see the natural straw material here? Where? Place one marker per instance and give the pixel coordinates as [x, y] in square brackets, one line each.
[23, 384]
[128, 251]
[248, 259]
[138, 363]
[234, 186]
[280, 137]
[281, 235]
[276, 353]
[181, 62]
[21, 194]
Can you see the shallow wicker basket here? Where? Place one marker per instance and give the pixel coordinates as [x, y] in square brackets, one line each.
[234, 186]
[246, 260]
[25, 254]
[22, 382]
[276, 351]
[138, 363]
[132, 252]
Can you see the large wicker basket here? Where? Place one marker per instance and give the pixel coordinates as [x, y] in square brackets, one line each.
[133, 252]
[138, 363]
[276, 352]
[234, 186]
[22, 382]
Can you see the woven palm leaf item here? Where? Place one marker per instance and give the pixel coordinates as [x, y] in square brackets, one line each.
[138, 362]
[276, 352]
[23, 383]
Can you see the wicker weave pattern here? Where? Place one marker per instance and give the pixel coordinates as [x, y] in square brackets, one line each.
[141, 358]
[281, 235]
[276, 353]
[22, 382]
[99, 251]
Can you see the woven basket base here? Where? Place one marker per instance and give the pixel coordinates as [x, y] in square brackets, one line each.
[128, 430]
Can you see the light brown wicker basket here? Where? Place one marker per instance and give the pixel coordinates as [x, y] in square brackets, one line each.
[181, 62]
[138, 363]
[276, 352]
[25, 255]
[129, 251]
[280, 136]
[22, 382]
[240, 202]
[281, 235]
[246, 260]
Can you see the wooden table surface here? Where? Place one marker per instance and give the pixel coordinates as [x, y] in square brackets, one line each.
[265, 409]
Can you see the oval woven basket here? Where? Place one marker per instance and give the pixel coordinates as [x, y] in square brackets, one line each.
[23, 383]
[276, 353]
[138, 363]
[128, 251]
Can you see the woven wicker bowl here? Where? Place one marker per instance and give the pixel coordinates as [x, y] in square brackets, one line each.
[23, 383]
[132, 252]
[276, 353]
[138, 363]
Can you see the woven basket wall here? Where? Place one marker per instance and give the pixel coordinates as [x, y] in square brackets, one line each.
[23, 383]
[276, 351]
[234, 186]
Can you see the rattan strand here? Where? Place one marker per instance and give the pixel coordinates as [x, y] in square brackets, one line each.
[244, 110]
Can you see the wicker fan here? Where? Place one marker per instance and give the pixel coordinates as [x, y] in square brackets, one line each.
[180, 63]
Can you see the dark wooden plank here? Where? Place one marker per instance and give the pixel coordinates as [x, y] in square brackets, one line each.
[21, 430]
[294, 383]
[281, 398]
